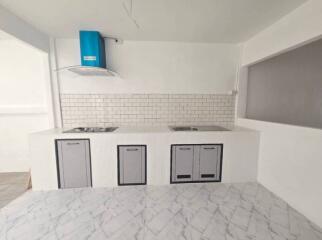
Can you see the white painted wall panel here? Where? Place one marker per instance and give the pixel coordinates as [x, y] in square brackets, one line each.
[14, 141]
[290, 164]
[23, 102]
[154, 67]
[22, 74]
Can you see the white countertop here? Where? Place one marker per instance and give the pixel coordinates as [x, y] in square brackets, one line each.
[140, 130]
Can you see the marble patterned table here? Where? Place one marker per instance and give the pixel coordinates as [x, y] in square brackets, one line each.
[179, 212]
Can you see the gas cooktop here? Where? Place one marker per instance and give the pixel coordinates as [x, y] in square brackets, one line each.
[91, 130]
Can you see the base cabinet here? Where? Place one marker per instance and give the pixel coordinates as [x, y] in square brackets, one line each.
[209, 162]
[131, 165]
[184, 163]
[73, 163]
[196, 163]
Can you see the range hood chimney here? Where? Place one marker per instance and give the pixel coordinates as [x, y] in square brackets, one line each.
[93, 59]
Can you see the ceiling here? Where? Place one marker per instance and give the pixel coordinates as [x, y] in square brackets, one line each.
[4, 35]
[226, 21]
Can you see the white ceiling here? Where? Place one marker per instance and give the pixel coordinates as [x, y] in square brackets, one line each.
[228, 21]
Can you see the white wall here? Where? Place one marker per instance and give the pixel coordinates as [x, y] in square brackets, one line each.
[290, 164]
[21, 75]
[242, 92]
[154, 67]
[289, 156]
[299, 27]
[14, 141]
[23, 101]
[22, 30]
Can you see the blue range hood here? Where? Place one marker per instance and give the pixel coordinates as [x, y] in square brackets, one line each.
[93, 59]
[92, 49]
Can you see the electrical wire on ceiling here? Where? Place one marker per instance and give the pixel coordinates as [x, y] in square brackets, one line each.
[129, 12]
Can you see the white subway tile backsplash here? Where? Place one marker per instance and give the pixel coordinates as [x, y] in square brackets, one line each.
[147, 109]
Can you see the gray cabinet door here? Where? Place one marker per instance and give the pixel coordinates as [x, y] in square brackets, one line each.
[74, 163]
[182, 163]
[132, 165]
[209, 162]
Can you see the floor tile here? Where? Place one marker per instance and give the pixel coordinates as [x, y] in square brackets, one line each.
[210, 211]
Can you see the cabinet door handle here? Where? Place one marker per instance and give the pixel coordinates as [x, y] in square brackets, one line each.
[183, 176]
[207, 175]
[185, 148]
[76, 143]
[209, 148]
[132, 149]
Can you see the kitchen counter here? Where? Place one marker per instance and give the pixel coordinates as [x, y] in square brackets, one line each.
[141, 129]
[240, 153]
